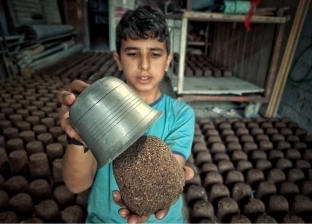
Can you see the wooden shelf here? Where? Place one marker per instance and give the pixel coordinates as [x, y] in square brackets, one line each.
[215, 85]
[196, 43]
[221, 17]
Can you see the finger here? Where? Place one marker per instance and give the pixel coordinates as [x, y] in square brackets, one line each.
[189, 172]
[77, 86]
[161, 213]
[117, 198]
[66, 98]
[124, 213]
[137, 219]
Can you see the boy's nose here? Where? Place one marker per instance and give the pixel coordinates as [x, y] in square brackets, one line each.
[144, 64]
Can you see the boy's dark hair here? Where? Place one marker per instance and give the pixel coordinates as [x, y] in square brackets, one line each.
[142, 23]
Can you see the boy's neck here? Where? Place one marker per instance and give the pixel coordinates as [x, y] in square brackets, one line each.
[149, 97]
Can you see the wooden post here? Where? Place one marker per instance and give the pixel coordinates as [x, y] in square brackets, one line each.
[286, 63]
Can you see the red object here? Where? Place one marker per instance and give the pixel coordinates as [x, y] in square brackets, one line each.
[253, 6]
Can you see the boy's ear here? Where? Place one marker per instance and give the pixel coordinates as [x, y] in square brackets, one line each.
[117, 59]
[169, 59]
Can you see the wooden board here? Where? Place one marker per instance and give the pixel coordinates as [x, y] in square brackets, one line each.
[216, 85]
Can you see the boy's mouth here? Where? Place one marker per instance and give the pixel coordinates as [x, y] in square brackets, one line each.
[144, 79]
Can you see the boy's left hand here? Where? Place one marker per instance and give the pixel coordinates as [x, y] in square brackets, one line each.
[131, 218]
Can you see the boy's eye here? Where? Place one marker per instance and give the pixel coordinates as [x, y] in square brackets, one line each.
[155, 55]
[132, 54]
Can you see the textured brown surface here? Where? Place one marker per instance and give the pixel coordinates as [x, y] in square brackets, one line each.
[148, 175]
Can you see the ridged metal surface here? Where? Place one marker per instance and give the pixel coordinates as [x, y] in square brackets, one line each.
[24, 12]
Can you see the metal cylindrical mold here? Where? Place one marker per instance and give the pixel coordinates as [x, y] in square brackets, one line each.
[110, 117]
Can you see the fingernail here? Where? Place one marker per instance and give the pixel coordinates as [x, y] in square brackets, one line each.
[115, 194]
[161, 216]
[122, 215]
[68, 131]
[67, 97]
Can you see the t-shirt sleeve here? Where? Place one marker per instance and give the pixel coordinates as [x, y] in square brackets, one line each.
[181, 135]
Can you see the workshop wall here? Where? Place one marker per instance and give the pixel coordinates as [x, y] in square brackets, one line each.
[297, 97]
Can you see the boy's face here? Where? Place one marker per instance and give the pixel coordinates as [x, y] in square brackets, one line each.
[143, 62]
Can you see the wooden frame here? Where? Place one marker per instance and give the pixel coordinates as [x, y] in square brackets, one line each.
[284, 69]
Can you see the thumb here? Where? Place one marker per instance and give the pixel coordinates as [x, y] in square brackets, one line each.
[189, 173]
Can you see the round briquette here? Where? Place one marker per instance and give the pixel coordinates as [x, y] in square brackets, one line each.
[45, 138]
[82, 198]
[302, 207]
[226, 209]
[261, 137]
[201, 209]
[246, 138]
[292, 219]
[257, 154]
[227, 132]
[263, 165]
[265, 219]
[256, 131]
[195, 193]
[253, 209]
[250, 147]
[39, 165]
[135, 167]
[289, 190]
[231, 138]
[212, 178]
[265, 190]
[254, 177]
[23, 205]
[265, 145]
[8, 217]
[217, 147]
[296, 176]
[10, 133]
[233, 177]
[306, 188]
[63, 197]
[283, 164]
[283, 146]
[15, 144]
[40, 189]
[243, 166]
[220, 156]
[27, 136]
[271, 131]
[276, 176]
[202, 157]
[225, 166]
[277, 207]
[73, 214]
[233, 146]
[194, 181]
[57, 171]
[218, 191]
[16, 184]
[302, 164]
[54, 151]
[240, 219]
[18, 160]
[48, 210]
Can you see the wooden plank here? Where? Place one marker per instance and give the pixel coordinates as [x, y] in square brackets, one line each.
[182, 55]
[287, 58]
[216, 85]
[221, 17]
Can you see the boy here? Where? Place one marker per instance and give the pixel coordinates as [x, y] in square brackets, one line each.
[143, 55]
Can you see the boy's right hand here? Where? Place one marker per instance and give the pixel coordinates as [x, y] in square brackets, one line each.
[67, 98]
